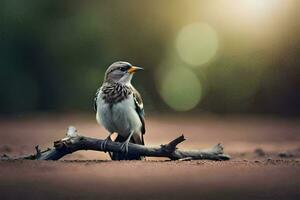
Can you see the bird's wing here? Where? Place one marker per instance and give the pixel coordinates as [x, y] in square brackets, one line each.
[95, 99]
[139, 108]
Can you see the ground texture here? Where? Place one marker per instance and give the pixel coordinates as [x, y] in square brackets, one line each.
[265, 161]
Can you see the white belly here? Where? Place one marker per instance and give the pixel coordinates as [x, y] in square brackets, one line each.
[120, 118]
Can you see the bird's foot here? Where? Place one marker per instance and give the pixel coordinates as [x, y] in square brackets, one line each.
[124, 147]
[104, 143]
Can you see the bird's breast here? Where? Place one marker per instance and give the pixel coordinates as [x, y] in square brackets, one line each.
[119, 117]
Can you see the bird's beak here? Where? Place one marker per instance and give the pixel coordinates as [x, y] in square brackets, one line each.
[133, 69]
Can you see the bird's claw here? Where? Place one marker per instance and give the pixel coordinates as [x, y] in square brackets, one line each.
[124, 147]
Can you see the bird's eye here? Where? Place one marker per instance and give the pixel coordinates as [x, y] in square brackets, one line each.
[122, 69]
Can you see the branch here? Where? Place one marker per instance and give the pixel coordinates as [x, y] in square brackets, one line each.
[74, 142]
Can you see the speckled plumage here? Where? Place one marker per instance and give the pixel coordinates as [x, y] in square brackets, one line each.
[115, 92]
[119, 105]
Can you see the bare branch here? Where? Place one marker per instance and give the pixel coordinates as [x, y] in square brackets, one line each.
[75, 142]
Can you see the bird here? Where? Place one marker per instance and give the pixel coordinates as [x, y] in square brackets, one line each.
[119, 108]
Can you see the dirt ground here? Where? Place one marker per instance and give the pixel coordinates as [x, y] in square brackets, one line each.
[265, 160]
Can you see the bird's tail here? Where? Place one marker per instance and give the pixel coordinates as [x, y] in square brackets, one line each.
[135, 139]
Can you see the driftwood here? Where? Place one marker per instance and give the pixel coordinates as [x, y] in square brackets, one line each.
[74, 142]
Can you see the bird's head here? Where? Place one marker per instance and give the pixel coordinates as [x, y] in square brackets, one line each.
[120, 72]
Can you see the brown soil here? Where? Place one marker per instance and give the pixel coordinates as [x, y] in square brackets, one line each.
[265, 164]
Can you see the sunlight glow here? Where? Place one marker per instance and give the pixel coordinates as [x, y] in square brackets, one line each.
[251, 12]
[257, 5]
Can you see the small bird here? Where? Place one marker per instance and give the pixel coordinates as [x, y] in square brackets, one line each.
[119, 108]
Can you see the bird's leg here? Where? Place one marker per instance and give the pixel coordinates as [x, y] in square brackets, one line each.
[104, 143]
[124, 146]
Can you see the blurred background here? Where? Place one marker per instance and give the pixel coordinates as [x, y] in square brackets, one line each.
[220, 57]
[218, 71]
[223, 71]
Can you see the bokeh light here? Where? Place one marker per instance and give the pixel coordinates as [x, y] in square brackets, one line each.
[197, 43]
[181, 89]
